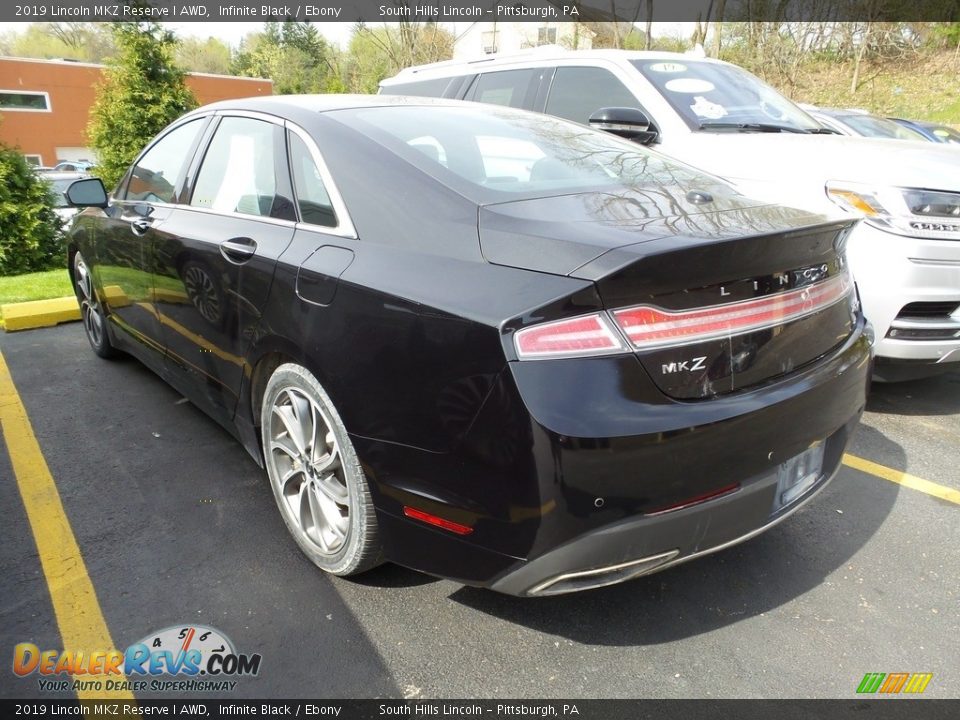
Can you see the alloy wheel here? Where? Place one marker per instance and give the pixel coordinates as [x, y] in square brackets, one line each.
[309, 474]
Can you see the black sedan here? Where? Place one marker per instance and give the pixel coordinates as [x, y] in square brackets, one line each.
[490, 345]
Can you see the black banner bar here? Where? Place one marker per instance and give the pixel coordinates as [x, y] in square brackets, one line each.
[633, 11]
[895, 708]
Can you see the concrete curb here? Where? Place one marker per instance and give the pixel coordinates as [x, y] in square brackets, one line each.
[47, 313]
[39, 313]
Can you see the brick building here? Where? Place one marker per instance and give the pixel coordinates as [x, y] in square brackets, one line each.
[45, 104]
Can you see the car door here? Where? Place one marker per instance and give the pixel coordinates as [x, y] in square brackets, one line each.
[216, 261]
[131, 229]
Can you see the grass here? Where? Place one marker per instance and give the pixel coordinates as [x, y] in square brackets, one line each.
[35, 286]
[926, 88]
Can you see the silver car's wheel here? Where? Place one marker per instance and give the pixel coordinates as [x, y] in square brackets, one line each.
[91, 312]
[315, 476]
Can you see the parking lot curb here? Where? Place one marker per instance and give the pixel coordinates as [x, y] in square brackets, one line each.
[39, 313]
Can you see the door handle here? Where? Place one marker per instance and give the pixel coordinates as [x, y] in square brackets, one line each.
[141, 226]
[238, 250]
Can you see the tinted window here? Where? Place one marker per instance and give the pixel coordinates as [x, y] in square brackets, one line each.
[578, 92]
[510, 87]
[154, 177]
[423, 88]
[494, 154]
[312, 197]
[239, 173]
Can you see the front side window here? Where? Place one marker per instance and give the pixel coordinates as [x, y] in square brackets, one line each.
[238, 173]
[154, 177]
[312, 196]
[578, 92]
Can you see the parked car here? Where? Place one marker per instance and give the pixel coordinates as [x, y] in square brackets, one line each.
[719, 117]
[856, 122]
[59, 182]
[482, 343]
[74, 166]
[932, 131]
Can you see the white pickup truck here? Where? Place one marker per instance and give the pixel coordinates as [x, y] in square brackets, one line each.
[720, 118]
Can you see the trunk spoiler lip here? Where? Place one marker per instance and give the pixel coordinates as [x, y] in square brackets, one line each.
[631, 254]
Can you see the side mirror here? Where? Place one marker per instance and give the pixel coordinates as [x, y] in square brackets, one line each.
[626, 122]
[88, 192]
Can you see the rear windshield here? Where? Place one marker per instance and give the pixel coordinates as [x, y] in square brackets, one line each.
[494, 154]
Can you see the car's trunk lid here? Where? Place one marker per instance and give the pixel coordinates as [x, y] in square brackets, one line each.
[744, 294]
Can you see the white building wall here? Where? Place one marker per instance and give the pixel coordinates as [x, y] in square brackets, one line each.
[484, 38]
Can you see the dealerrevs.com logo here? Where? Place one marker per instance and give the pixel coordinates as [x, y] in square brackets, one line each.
[182, 658]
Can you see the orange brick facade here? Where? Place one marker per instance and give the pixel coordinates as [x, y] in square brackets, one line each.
[70, 87]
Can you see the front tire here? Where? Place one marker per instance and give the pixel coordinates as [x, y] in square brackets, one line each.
[315, 476]
[91, 311]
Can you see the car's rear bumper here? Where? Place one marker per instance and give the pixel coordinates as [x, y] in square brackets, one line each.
[567, 502]
[655, 542]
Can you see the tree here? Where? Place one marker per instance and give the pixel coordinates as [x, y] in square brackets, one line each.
[207, 56]
[376, 53]
[85, 42]
[293, 55]
[29, 229]
[143, 90]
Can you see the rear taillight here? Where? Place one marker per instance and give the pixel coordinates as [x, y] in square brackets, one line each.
[648, 327]
[576, 337]
[651, 327]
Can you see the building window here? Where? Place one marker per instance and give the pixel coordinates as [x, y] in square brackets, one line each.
[27, 101]
[34, 160]
[546, 36]
[489, 39]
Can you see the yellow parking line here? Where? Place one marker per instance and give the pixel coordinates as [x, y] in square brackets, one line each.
[81, 622]
[902, 478]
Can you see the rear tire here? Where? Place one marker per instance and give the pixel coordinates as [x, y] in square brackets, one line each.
[91, 310]
[315, 476]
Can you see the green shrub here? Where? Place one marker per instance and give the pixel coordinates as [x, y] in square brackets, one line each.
[30, 233]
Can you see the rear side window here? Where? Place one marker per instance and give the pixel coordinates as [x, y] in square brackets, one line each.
[154, 178]
[312, 196]
[578, 92]
[422, 88]
[239, 173]
[514, 88]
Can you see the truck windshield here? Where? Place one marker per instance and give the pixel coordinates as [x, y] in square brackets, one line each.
[713, 97]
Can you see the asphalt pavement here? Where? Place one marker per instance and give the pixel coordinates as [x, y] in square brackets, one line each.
[177, 525]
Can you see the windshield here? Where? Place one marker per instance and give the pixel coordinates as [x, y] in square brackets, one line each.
[714, 97]
[489, 153]
[878, 127]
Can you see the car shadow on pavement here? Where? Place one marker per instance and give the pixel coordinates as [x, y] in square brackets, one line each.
[745, 581]
[932, 396]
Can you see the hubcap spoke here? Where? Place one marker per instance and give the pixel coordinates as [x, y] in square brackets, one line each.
[336, 493]
[333, 518]
[293, 430]
[285, 445]
[319, 515]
